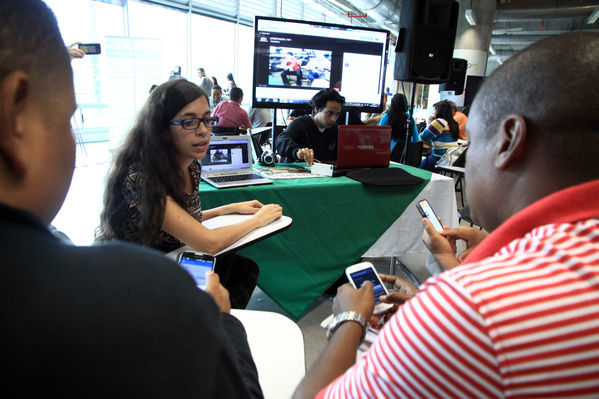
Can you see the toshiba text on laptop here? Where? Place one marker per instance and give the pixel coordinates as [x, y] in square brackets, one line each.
[363, 146]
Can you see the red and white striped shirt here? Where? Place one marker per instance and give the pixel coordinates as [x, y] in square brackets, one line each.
[520, 319]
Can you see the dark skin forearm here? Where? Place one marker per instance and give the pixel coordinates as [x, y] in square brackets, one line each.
[338, 356]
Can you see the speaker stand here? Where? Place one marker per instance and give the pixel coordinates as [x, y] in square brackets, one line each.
[409, 126]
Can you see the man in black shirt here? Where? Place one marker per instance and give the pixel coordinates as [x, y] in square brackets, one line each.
[311, 137]
[111, 320]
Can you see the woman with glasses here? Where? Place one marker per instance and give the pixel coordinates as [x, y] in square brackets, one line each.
[152, 195]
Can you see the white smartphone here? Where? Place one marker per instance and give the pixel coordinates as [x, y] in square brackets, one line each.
[358, 273]
[197, 264]
[426, 211]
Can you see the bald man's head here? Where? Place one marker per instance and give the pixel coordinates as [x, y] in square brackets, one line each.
[553, 85]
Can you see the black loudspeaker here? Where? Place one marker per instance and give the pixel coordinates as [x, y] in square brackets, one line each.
[425, 42]
[457, 76]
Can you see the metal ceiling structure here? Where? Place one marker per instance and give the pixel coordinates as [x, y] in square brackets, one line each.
[516, 23]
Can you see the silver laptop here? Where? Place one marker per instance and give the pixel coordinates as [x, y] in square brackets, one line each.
[228, 163]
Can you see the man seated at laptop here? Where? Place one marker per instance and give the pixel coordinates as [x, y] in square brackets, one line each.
[152, 196]
[230, 113]
[114, 320]
[311, 137]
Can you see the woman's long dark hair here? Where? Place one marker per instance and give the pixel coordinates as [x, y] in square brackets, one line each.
[149, 147]
[398, 117]
[443, 110]
[230, 77]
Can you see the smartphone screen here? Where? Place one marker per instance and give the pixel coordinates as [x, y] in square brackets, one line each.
[197, 265]
[360, 276]
[425, 209]
[90, 48]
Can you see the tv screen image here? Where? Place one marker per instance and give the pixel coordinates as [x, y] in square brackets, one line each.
[295, 59]
[306, 67]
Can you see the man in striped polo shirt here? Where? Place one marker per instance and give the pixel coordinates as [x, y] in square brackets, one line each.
[519, 317]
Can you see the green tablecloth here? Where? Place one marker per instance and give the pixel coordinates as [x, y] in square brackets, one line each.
[335, 220]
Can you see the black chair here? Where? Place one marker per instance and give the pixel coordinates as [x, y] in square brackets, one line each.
[224, 131]
[464, 214]
[414, 153]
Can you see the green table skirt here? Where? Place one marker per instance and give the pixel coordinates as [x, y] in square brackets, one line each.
[335, 220]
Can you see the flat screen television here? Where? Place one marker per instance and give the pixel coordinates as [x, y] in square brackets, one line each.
[295, 59]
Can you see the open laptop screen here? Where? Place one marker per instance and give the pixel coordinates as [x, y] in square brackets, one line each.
[226, 155]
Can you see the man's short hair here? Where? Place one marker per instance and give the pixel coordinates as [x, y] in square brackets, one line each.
[31, 42]
[217, 87]
[200, 69]
[236, 94]
[552, 84]
[321, 98]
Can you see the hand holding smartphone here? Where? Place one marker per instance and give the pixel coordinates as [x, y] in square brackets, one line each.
[357, 274]
[197, 264]
[426, 211]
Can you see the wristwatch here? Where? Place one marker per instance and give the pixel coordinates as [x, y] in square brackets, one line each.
[347, 316]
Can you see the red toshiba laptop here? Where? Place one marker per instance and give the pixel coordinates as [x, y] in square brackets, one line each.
[361, 146]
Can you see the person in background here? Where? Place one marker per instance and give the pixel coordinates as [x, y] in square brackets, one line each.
[108, 320]
[230, 113]
[217, 97]
[260, 117]
[152, 191]
[374, 118]
[519, 316]
[175, 73]
[397, 117]
[205, 82]
[230, 83]
[460, 118]
[442, 132]
[388, 92]
[214, 81]
[313, 136]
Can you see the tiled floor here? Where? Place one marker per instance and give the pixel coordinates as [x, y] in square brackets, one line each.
[80, 215]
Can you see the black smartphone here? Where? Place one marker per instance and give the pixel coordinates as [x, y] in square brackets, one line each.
[90, 48]
[426, 211]
[197, 264]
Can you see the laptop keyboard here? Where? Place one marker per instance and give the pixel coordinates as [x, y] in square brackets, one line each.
[224, 179]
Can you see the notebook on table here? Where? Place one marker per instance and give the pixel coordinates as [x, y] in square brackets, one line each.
[228, 163]
[362, 146]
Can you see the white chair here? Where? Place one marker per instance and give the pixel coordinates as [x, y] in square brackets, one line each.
[277, 345]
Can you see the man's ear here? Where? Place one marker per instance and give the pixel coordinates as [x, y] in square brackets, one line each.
[14, 94]
[511, 140]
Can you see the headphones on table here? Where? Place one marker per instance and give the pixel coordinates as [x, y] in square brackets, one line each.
[267, 158]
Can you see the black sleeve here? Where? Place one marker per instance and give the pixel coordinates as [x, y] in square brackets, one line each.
[245, 363]
[288, 142]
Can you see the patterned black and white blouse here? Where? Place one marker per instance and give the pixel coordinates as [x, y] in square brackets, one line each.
[133, 187]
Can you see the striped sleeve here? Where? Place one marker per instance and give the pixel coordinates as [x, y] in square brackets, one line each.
[434, 130]
[436, 345]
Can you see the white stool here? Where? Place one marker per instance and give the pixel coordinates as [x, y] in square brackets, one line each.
[277, 345]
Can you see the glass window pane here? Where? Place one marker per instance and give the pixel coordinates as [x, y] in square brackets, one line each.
[213, 48]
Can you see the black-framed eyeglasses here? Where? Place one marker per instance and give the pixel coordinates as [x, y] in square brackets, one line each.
[194, 123]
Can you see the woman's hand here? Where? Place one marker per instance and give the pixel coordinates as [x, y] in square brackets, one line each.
[268, 213]
[245, 208]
